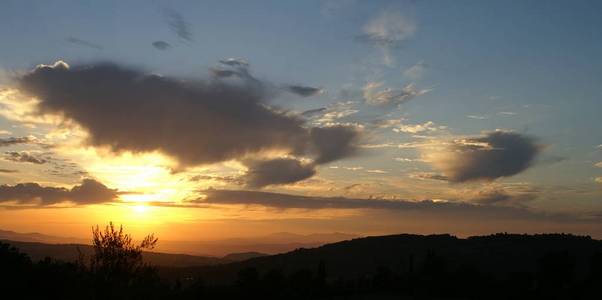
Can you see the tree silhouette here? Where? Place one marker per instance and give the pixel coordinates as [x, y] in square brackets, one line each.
[117, 263]
[115, 251]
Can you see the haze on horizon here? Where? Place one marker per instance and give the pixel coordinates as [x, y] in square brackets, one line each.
[207, 120]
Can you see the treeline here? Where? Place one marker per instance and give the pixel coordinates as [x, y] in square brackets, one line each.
[116, 271]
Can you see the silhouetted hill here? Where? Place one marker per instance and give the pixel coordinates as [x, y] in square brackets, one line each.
[501, 266]
[498, 255]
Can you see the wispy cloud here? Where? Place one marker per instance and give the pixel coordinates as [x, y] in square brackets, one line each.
[429, 176]
[11, 141]
[178, 24]
[25, 157]
[304, 91]
[428, 126]
[84, 43]
[416, 71]
[387, 31]
[161, 45]
[478, 117]
[375, 94]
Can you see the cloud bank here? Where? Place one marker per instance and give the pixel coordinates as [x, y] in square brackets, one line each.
[88, 192]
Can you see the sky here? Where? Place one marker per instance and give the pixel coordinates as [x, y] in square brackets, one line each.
[203, 120]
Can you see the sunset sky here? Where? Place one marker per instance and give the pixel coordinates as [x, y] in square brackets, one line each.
[213, 119]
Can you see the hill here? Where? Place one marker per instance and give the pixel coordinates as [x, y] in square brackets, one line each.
[498, 255]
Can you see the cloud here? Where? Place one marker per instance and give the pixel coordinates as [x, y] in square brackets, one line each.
[388, 29]
[333, 143]
[335, 112]
[286, 201]
[430, 176]
[304, 91]
[313, 112]
[445, 209]
[193, 121]
[220, 73]
[235, 62]
[178, 24]
[8, 171]
[498, 196]
[88, 192]
[277, 171]
[494, 155]
[375, 95]
[418, 128]
[598, 179]
[416, 71]
[80, 42]
[477, 117]
[599, 165]
[11, 141]
[25, 157]
[161, 45]
[226, 179]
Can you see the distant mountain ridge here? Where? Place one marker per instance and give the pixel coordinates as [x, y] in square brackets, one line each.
[274, 243]
[39, 237]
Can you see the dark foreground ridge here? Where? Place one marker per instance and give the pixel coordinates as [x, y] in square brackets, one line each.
[501, 266]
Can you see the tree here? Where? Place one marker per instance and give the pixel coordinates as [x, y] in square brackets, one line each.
[117, 262]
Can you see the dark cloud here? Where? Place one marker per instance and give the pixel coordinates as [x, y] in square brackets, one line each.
[333, 143]
[8, 171]
[88, 192]
[84, 43]
[304, 91]
[161, 45]
[277, 171]
[194, 121]
[25, 157]
[11, 141]
[497, 154]
[178, 24]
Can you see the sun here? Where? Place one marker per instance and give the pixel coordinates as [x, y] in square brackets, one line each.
[140, 209]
